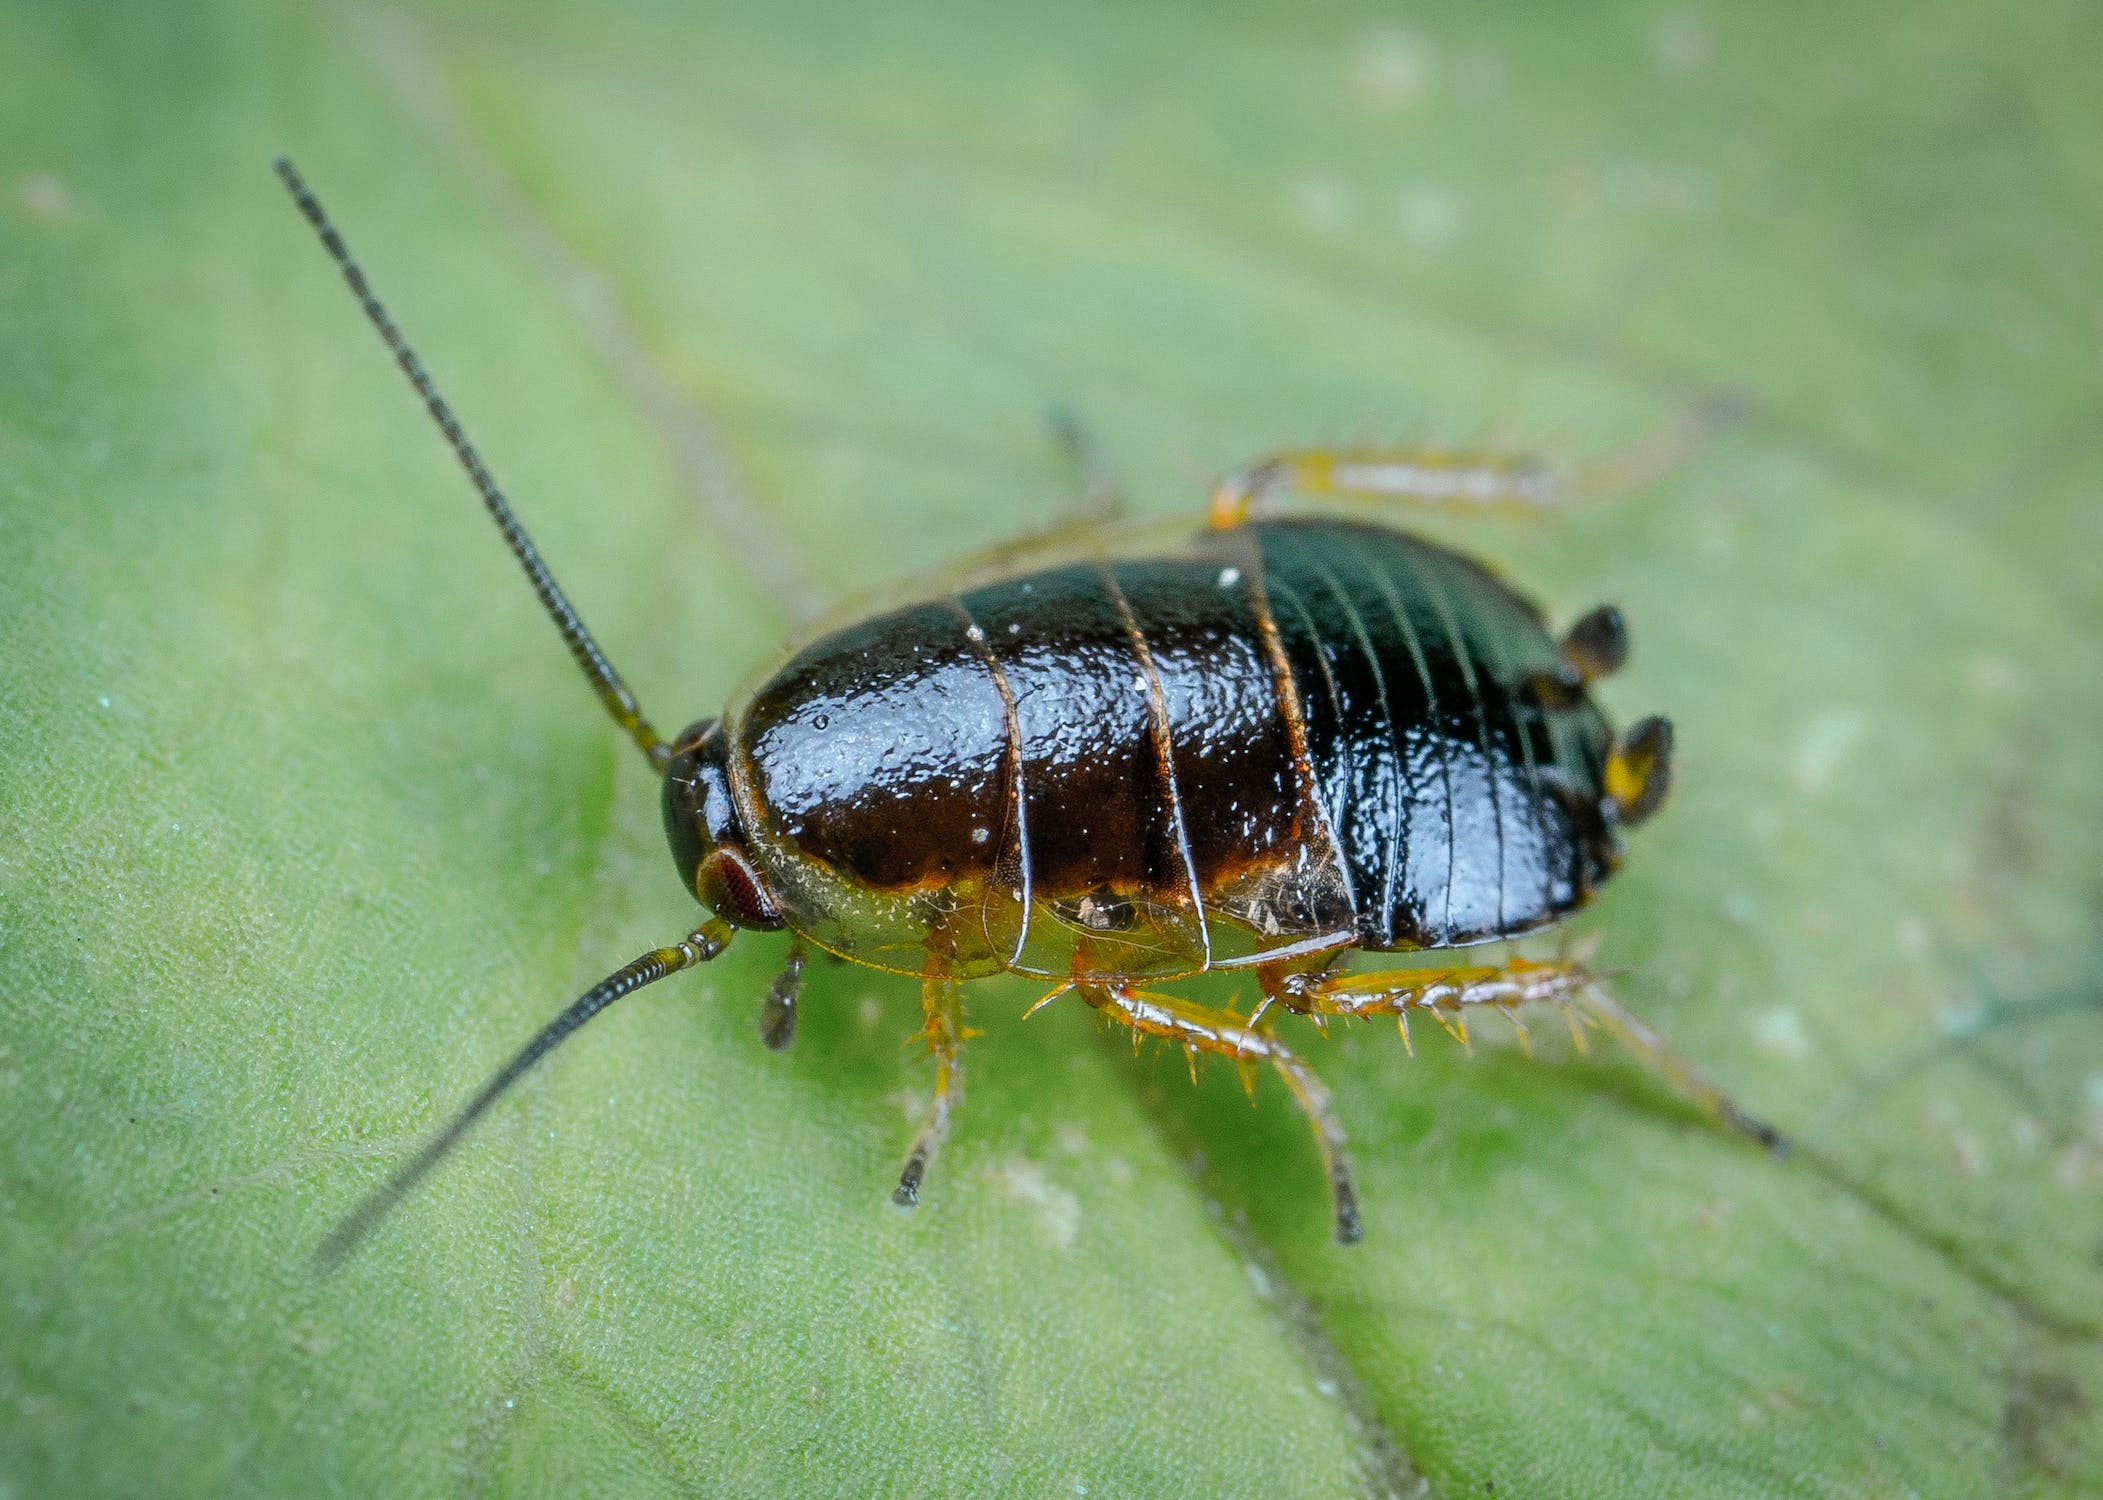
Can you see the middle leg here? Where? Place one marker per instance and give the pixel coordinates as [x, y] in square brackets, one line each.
[1202, 1028]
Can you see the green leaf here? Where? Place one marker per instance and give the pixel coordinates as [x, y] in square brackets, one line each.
[305, 823]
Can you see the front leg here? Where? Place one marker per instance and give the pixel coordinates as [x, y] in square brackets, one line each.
[777, 1013]
[942, 1029]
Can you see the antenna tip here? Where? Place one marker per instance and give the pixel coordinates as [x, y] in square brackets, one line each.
[327, 1258]
[289, 176]
[357, 1226]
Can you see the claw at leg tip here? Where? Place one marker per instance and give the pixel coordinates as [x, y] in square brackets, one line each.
[1765, 1135]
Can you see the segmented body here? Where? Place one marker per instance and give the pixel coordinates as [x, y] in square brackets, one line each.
[1265, 743]
[1254, 743]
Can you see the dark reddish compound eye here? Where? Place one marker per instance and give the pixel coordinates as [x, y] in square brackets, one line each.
[726, 882]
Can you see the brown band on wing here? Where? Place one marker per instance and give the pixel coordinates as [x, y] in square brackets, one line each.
[1289, 706]
[1164, 758]
[1017, 820]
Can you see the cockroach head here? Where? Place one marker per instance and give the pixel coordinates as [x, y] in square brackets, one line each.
[707, 838]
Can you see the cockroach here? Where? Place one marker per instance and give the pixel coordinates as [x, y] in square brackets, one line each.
[1264, 742]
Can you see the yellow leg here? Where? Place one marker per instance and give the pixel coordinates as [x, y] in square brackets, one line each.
[1687, 1080]
[1427, 475]
[944, 1033]
[1201, 1028]
[1448, 477]
[1446, 995]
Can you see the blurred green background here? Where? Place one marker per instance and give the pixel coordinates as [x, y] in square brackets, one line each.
[305, 822]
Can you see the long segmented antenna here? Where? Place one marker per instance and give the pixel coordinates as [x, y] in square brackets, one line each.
[605, 681]
[697, 947]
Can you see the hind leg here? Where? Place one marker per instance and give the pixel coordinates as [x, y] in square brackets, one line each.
[1202, 1028]
[1448, 995]
[1427, 476]
[1451, 477]
[1688, 1081]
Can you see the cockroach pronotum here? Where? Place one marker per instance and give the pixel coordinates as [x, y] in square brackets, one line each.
[1137, 754]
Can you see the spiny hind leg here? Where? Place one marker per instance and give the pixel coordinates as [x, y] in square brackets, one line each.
[1203, 1028]
[1688, 1081]
[943, 1031]
[1459, 478]
[1447, 995]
